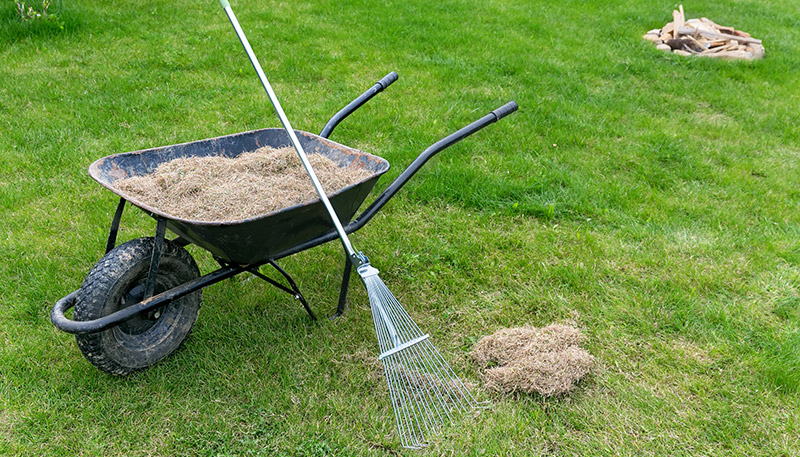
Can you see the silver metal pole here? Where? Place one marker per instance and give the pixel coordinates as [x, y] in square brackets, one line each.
[287, 126]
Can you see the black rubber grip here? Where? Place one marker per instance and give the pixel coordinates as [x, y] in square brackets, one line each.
[505, 110]
[387, 80]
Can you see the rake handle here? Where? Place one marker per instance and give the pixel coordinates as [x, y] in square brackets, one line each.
[357, 260]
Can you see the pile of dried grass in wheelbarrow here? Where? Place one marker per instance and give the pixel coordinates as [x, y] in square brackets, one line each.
[216, 188]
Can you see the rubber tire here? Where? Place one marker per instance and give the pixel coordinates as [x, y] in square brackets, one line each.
[132, 345]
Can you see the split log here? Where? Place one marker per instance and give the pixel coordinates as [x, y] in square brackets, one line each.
[729, 55]
[700, 25]
[717, 27]
[718, 36]
[678, 20]
[652, 37]
[685, 44]
[709, 22]
[758, 51]
[714, 50]
[698, 46]
[720, 28]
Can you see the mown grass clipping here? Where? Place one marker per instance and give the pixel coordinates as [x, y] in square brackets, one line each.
[251, 184]
[548, 361]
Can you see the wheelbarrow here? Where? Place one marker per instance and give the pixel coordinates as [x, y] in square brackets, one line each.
[141, 300]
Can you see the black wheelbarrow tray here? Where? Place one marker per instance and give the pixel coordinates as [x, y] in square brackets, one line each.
[140, 301]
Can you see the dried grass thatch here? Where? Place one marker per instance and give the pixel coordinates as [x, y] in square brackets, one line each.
[545, 360]
[228, 189]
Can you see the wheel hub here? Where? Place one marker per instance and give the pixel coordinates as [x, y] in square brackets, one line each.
[141, 322]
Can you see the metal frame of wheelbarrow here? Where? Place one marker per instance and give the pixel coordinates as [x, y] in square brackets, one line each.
[229, 270]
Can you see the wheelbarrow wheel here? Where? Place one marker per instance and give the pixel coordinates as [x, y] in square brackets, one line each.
[118, 280]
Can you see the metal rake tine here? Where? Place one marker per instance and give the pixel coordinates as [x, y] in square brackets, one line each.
[404, 404]
[453, 374]
[431, 382]
[399, 401]
[424, 388]
[441, 403]
[413, 406]
[417, 407]
[402, 316]
[415, 373]
[393, 307]
[410, 409]
[400, 312]
[410, 380]
[400, 404]
[437, 387]
[457, 400]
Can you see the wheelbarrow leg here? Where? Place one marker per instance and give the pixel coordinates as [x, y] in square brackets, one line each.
[112, 233]
[292, 289]
[158, 245]
[348, 267]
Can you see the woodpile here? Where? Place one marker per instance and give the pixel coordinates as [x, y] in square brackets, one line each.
[702, 37]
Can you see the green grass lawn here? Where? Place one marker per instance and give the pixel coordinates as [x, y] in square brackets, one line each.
[649, 199]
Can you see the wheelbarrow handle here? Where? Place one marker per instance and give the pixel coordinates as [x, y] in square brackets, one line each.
[401, 180]
[62, 322]
[384, 82]
[432, 150]
[505, 110]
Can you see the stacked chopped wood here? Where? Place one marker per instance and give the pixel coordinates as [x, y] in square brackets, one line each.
[702, 37]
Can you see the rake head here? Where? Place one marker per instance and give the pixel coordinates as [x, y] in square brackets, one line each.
[425, 391]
